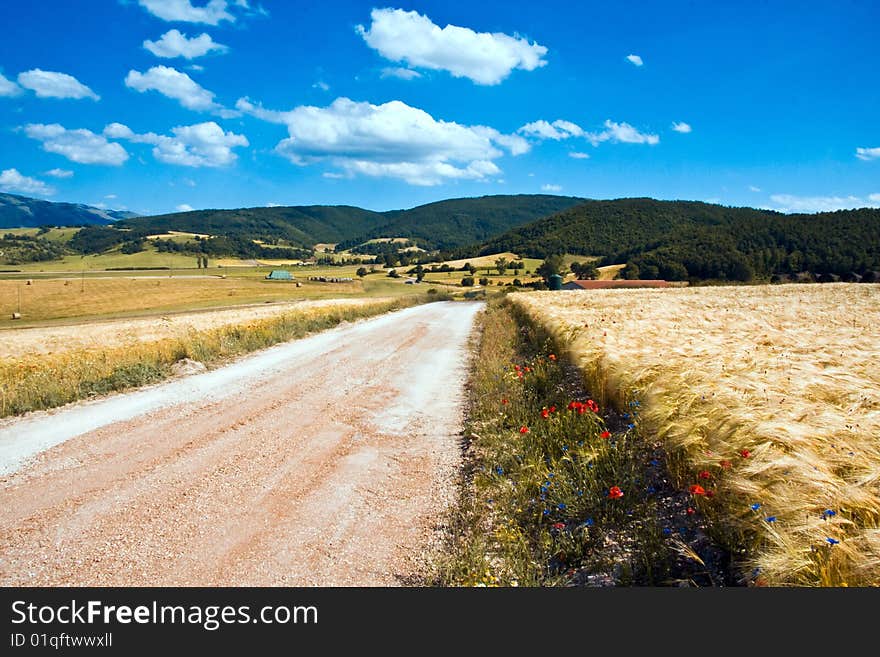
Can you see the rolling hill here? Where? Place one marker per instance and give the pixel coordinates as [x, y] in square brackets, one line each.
[686, 239]
[443, 225]
[23, 212]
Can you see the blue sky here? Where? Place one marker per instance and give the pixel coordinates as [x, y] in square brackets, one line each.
[155, 105]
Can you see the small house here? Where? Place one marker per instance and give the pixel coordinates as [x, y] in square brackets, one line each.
[279, 275]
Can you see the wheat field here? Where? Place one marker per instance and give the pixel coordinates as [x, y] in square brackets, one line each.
[768, 396]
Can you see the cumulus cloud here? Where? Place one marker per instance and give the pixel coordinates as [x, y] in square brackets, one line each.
[176, 44]
[82, 146]
[184, 207]
[12, 181]
[621, 133]
[793, 203]
[752, 188]
[577, 155]
[8, 87]
[635, 60]
[401, 73]
[60, 173]
[557, 130]
[199, 145]
[551, 188]
[483, 57]
[183, 11]
[52, 84]
[320, 84]
[391, 140]
[179, 86]
[868, 153]
[681, 126]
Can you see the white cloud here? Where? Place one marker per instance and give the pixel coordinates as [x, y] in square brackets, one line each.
[175, 44]
[59, 173]
[82, 146]
[483, 57]
[274, 205]
[621, 133]
[8, 87]
[557, 130]
[198, 68]
[184, 207]
[110, 196]
[398, 72]
[681, 126]
[868, 153]
[320, 84]
[792, 203]
[199, 145]
[551, 188]
[635, 59]
[578, 155]
[183, 11]
[752, 188]
[172, 83]
[51, 84]
[390, 140]
[12, 181]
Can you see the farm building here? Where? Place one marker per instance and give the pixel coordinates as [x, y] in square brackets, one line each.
[279, 275]
[615, 284]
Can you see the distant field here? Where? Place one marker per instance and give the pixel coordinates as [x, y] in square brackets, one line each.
[773, 393]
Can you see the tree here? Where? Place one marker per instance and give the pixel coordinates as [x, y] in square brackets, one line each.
[393, 273]
[361, 272]
[585, 271]
[551, 265]
[484, 281]
[501, 265]
[467, 281]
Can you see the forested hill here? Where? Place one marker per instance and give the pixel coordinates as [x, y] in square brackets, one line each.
[443, 225]
[455, 223]
[23, 212]
[684, 239]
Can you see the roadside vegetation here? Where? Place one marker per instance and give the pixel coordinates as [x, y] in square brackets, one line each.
[42, 381]
[765, 399]
[557, 489]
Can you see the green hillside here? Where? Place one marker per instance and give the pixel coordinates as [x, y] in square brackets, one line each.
[682, 239]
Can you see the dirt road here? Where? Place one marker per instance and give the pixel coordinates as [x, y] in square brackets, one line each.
[325, 461]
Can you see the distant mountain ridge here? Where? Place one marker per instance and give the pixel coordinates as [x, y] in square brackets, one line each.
[24, 212]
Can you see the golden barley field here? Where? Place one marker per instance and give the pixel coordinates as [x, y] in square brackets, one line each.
[771, 393]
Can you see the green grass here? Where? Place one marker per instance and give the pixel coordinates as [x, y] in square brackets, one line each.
[536, 506]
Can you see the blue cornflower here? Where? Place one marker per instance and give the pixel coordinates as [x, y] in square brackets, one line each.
[667, 531]
[579, 493]
[589, 522]
[630, 426]
[499, 470]
[625, 416]
[651, 490]
[832, 541]
[546, 512]
[770, 518]
[564, 448]
[755, 506]
[550, 475]
[561, 506]
[829, 513]
[654, 462]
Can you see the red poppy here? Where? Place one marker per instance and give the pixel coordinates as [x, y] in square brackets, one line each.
[726, 464]
[558, 525]
[745, 453]
[615, 493]
[504, 401]
[573, 405]
[523, 429]
[710, 493]
[552, 356]
[605, 434]
[704, 474]
[519, 374]
[516, 367]
[593, 406]
[552, 409]
[545, 414]
[528, 369]
[696, 489]
[690, 511]
[582, 409]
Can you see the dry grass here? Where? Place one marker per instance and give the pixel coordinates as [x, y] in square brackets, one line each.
[789, 373]
[41, 381]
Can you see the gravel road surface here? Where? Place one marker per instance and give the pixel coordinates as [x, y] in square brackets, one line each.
[321, 462]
